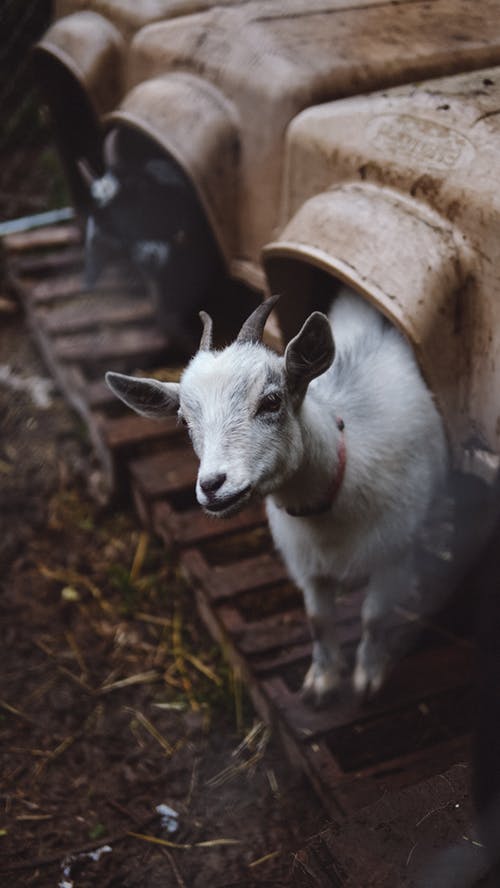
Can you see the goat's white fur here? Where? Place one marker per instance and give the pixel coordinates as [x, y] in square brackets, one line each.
[395, 465]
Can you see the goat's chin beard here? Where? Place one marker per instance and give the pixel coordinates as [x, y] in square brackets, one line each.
[229, 510]
[225, 513]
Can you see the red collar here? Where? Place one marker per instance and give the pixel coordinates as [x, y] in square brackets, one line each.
[336, 484]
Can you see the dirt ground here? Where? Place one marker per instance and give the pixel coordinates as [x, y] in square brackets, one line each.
[113, 698]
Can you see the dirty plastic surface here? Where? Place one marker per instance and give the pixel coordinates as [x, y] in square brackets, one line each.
[404, 205]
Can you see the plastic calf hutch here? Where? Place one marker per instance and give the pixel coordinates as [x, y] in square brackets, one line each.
[404, 206]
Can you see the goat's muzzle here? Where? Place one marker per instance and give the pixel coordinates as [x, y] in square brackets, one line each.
[225, 506]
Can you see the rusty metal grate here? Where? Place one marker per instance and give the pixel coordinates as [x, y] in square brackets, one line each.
[417, 727]
[421, 835]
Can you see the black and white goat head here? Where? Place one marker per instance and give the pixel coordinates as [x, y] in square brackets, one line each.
[145, 211]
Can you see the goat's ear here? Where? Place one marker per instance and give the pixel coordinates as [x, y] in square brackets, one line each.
[149, 397]
[309, 354]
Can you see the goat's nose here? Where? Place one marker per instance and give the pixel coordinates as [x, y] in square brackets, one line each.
[213, 483]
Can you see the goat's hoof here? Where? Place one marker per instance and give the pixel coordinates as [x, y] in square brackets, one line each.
[367, 682]
[319, 686]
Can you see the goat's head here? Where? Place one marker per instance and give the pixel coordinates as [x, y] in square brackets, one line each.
[241, 407]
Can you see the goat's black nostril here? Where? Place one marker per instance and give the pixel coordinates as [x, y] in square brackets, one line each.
[211, 484]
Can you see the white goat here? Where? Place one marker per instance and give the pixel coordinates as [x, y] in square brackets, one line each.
[345, 443]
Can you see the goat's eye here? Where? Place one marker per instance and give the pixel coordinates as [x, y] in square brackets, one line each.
[182, 419]
[270, 403]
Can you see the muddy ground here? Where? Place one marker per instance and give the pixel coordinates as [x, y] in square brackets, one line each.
[113, 698]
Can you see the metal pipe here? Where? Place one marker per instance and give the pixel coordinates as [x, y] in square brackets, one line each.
[27, 223]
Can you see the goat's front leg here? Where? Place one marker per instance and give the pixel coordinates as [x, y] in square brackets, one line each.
[391, 595]
[324, 674]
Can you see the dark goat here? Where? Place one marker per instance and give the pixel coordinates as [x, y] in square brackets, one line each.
[145, 210]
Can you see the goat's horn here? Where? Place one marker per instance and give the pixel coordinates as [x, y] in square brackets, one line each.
[86, 172]
[206, 336]
[110, 149]
[253, 328]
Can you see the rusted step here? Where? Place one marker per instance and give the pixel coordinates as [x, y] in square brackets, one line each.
[417, 677]
[193, 526]
[51, 262]
[278, 633]
[274, 661]
[381, 747]
[110, 345]
[98, 395]
[221, 582]
[271, 633]
[399, 839]
[91, 310]
[42, 238]
[48, 291]
[120, 439]
[67, 285]
[164, 473]
[152, 477]
[126, 432]
[265, 636]
[341, 792]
